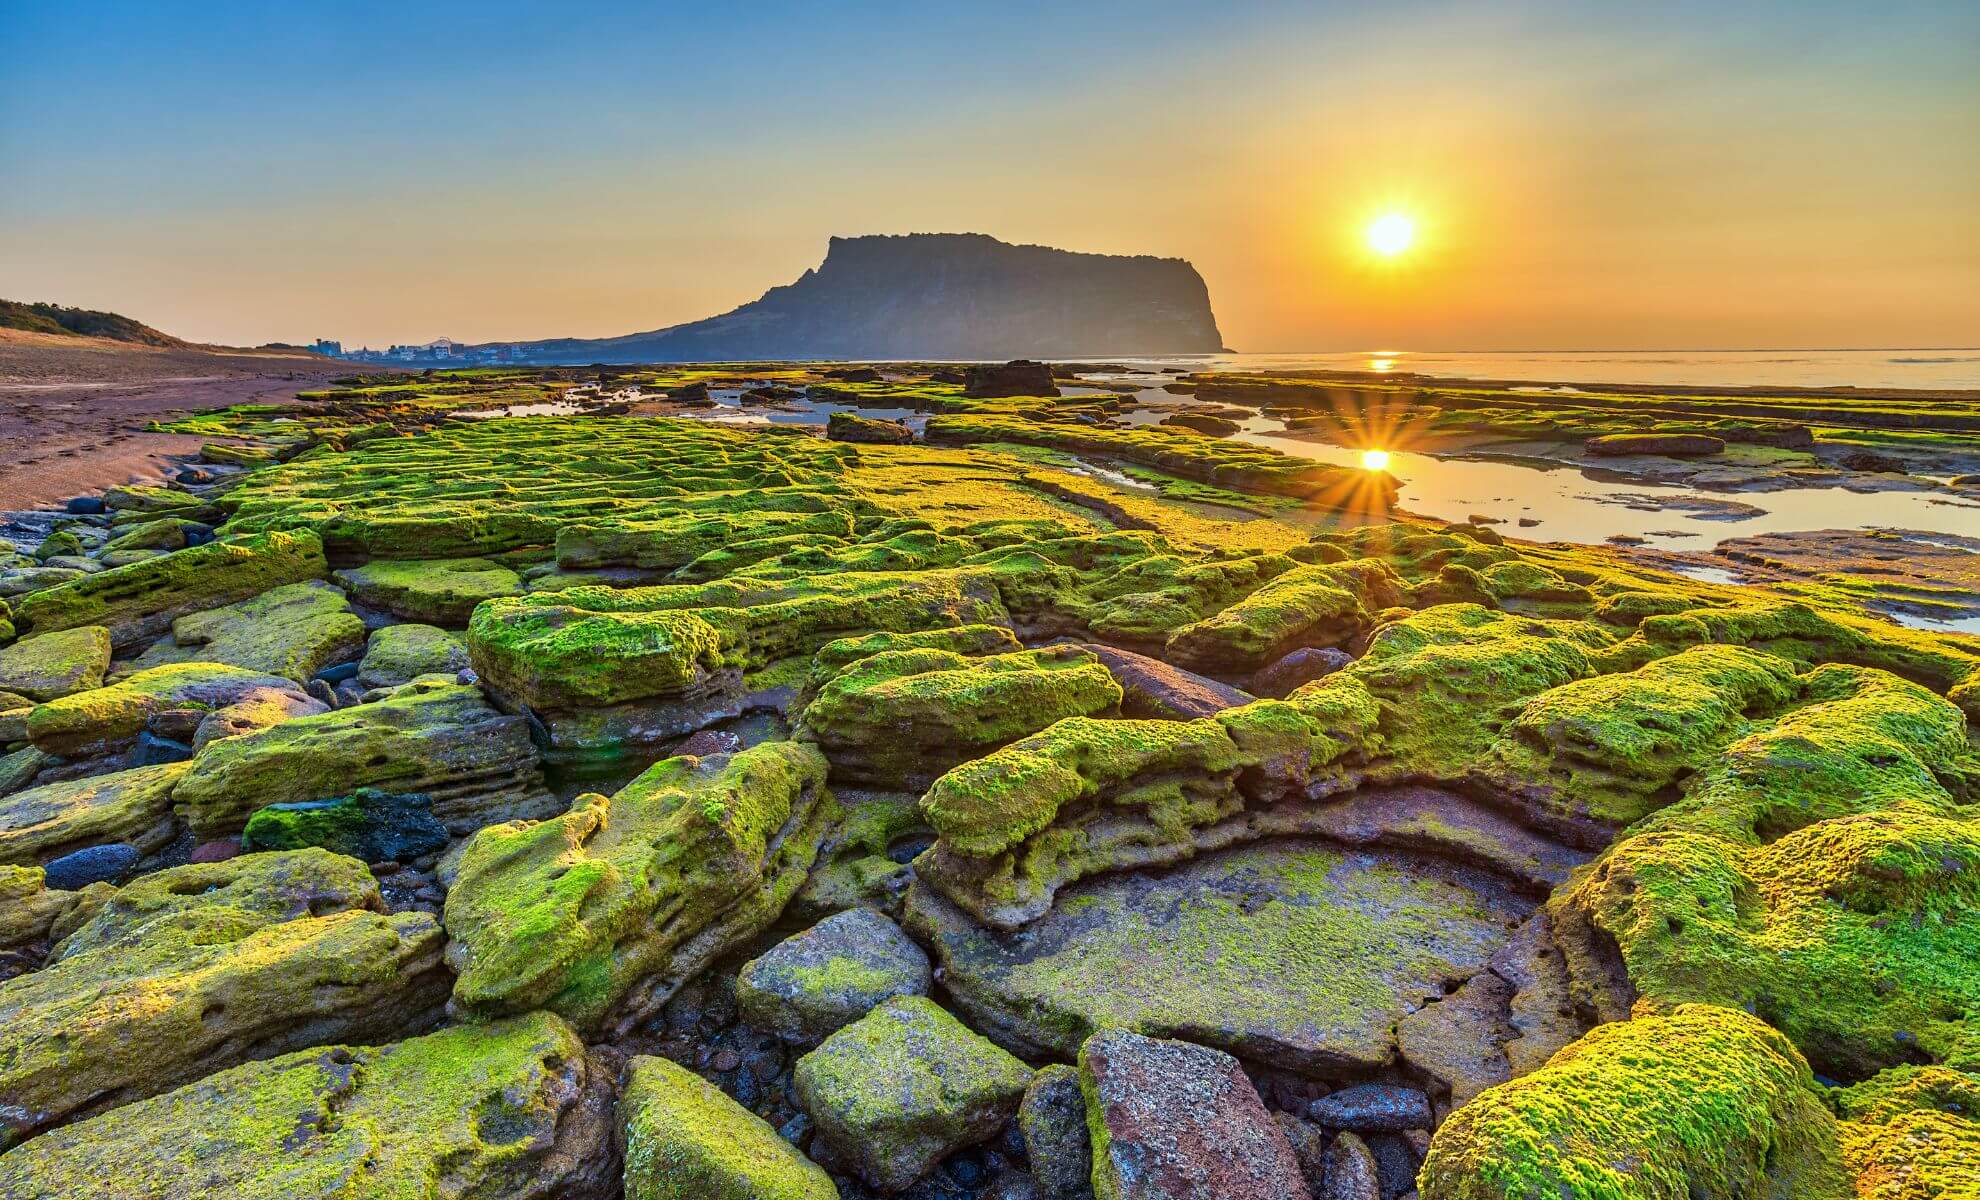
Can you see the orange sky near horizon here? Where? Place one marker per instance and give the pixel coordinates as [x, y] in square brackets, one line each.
[1683, 180]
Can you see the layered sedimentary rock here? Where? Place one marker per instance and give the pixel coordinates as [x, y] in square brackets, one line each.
[141, 600]
[133, 807]
[434, 592]
[220, 983]
[514, 1110]
[901, 718]
[439, 739]
[293, 631]
[171, 701]
[1292, 952]
[685, 1140]
[601, 913]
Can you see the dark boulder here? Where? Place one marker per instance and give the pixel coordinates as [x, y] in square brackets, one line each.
[369, 825]
[1670, 445]
[1295, 670]
[1372, 1108]
[851, 427]
[94, 864]
[1019, 377]
[1157, 691]
[1202, 423]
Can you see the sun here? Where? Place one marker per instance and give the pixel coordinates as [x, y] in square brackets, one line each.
[1390, 234]
[1374, 460]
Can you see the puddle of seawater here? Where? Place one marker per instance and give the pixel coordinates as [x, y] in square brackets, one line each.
[546, 408]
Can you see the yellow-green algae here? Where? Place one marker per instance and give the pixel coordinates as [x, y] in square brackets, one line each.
[1705, 1103]
[504, 1109]
[595, 909]
[686, 1140]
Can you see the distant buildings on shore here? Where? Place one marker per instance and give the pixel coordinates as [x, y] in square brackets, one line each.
[445, 351]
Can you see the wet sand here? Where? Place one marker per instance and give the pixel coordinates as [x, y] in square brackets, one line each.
[73, 411]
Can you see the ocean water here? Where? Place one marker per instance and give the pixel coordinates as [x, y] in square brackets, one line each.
[1959, 368]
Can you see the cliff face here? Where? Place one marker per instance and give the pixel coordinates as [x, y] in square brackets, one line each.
[939, 296]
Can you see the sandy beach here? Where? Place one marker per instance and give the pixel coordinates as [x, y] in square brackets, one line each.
[74, 411]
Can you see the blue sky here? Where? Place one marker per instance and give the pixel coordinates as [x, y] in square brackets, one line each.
[1584, 174]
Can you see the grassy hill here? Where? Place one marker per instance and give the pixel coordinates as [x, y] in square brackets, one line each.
[80, 322]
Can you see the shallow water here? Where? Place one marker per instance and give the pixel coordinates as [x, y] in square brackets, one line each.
[1958, 368]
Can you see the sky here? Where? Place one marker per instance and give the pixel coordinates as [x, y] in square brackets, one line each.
[1585, 175]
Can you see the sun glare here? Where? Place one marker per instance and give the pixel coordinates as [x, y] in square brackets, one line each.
[1390, 234]
[1375, 460]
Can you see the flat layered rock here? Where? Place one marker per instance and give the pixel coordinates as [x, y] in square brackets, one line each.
[513, 1110]
[1156, 690]
[52, 665]
[219, 986]
[1176, 1121]
[430, 591]
[134, 807]
[169, 701]
[432, 737]
[1294, 953]
[141, 600]
[399, 654]
[293, 631]
[814, 983]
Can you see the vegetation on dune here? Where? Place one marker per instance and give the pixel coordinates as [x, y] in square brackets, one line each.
[79, 322]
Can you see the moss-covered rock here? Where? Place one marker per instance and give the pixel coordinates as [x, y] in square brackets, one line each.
[108, 1026]
[53, 665]
[1326, 604]
[1608, 751]
[814, 983]
[293, 631]
[1704, 1102]
[903, 1087]
[135, 806]
[602, 912]
[1291, 953]
[32, 914]
[242, 893]
[431, 591]
[514, 1109]
[901, 718]
[399, 654]
[369, 825]
[685, 1140]
[141, 600]
[432, 737]
[1912, 1133]
[171, 701]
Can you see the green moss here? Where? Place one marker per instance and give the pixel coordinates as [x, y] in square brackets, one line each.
[1705, 1102]
[431, 591]
[685, 1140]
[399, 654]
[471, 1110]
[1912, 1133]
[902, 1087]
[627, 893]
[1321, 605]
[141, 599]
[46, 822]
[293, 631]
[556, 656]
[902, 717]
[109, 718]
[52, 665]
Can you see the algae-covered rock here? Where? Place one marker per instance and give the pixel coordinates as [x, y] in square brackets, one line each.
[1291, 953]
[432, 737]
[196, 994]
[903, 1087]
[19, 769]
[851, 427]
[399, 654]
[1609, 750]
[141, 600]
[1912, 1132]
[52, 665]
[685, 1140]
[169, 701]
[835, 656]
[513, 1110]
[293, 631]
[369, 825]
[1704, 1102]
[1325, 604]
[902, 718]
[602, 912]
[242, 893]
[1175, 1121]
[31, 912]
[430, 591]
[46, 822]
[814, 983]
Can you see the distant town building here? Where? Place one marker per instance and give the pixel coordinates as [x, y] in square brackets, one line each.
[328, 347]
